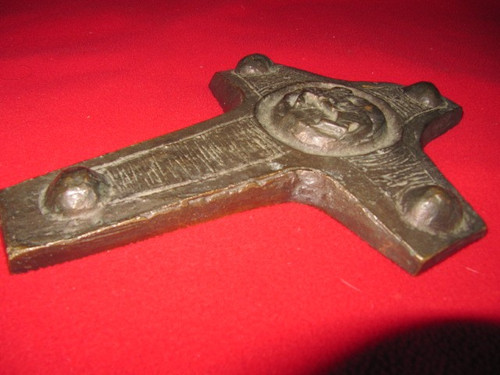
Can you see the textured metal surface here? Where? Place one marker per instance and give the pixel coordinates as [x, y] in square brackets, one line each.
[352, 149]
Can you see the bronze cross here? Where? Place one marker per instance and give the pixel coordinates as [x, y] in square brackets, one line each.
[352, 149]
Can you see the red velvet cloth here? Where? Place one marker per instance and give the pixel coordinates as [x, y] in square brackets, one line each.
[282, 289]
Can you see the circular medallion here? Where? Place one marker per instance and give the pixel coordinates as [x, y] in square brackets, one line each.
[328, 119]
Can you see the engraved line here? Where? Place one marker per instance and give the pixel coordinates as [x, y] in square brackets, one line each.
[194, 159]
[189, 182]
[424, 112]
[254, 88]
[153, 172]
[219, 153]
[388, 171]
[157, 167]
[427, 172]
[213, 153]
[189, 164]
[207, 156]
[138, 154]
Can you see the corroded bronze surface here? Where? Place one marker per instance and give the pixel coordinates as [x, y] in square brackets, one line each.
[352, 149]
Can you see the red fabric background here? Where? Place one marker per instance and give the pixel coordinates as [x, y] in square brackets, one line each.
[281, 289]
